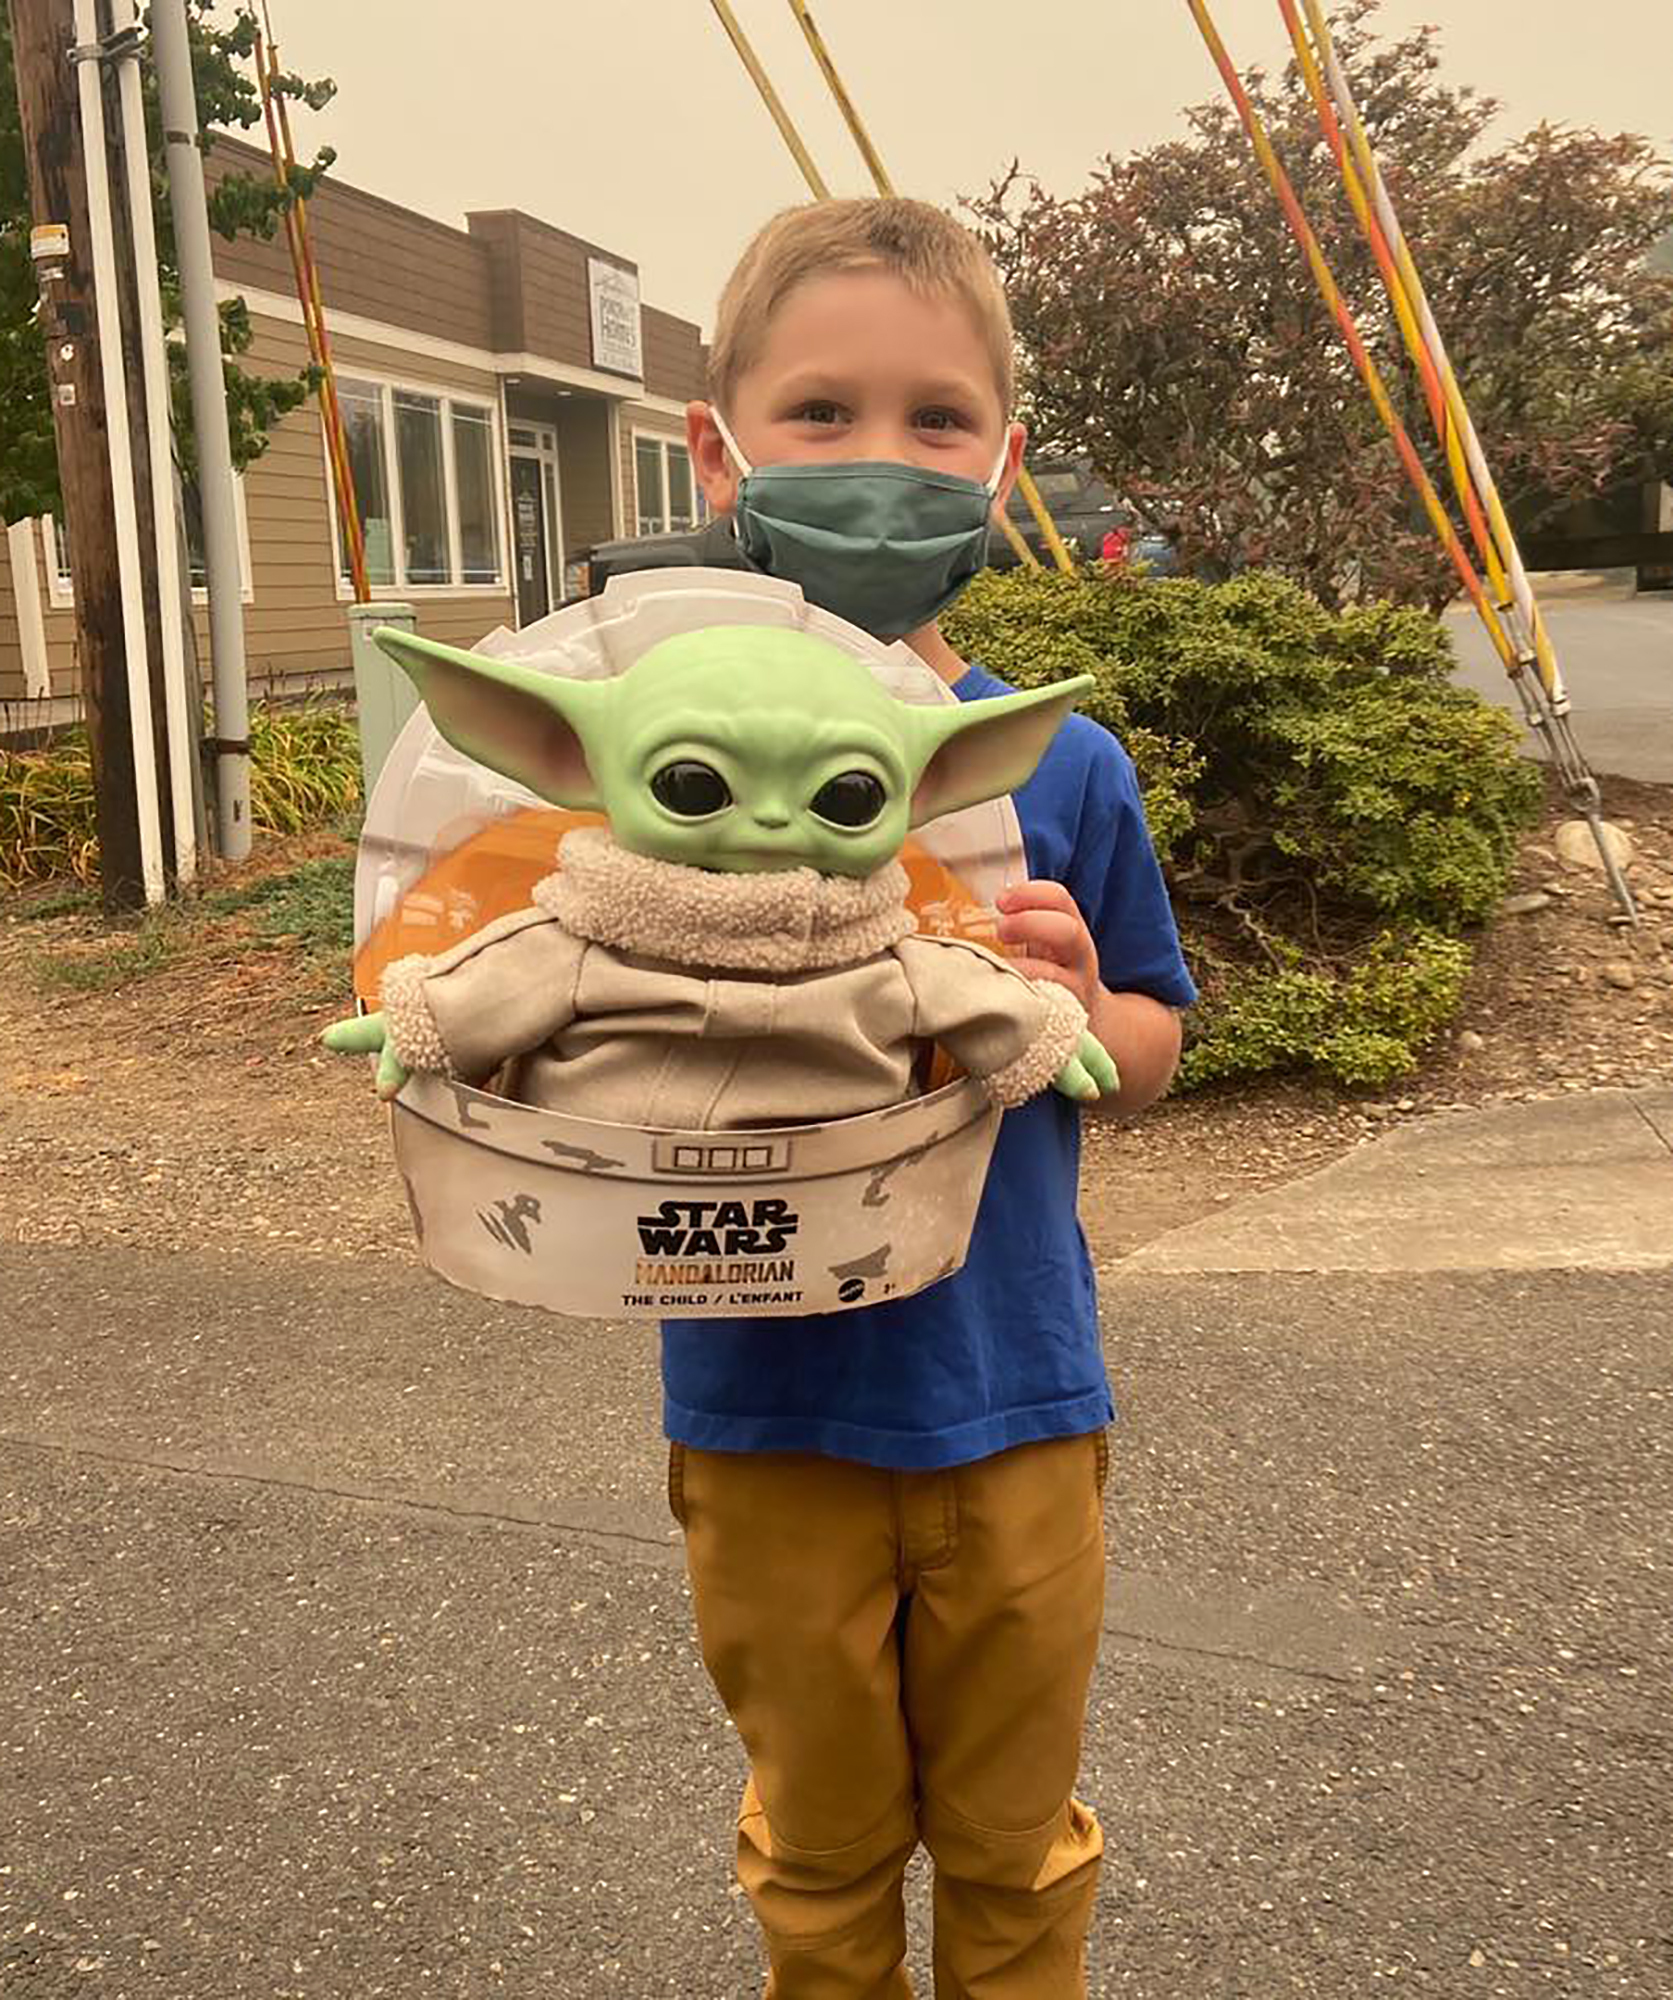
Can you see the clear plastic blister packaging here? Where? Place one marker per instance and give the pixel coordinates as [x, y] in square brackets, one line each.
[536, 1207]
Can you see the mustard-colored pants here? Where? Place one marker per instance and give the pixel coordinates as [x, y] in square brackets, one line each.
[906, 1657]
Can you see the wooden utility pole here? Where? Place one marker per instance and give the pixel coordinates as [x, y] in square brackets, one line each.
[133, 371]
[42, 38]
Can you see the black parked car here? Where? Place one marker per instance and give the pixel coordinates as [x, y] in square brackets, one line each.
[1083, 509]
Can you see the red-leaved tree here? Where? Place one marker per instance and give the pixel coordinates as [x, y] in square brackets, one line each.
[1172, 332]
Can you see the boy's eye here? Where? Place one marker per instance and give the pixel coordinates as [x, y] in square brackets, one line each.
[818, 412]
[690, 790]
[852, 798]
[939, 420]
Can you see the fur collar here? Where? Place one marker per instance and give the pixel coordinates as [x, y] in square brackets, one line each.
[796, 920]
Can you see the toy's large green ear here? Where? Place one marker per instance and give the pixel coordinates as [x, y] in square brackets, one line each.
[528, 726]
[983, 749]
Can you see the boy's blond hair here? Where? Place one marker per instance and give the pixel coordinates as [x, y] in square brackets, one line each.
[936, 256]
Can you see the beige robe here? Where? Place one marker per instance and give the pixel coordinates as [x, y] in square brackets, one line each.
[645, 993]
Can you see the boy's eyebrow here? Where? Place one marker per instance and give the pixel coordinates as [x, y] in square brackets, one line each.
[833, 381]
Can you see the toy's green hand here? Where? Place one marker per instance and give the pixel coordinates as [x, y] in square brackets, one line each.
[1090, 1073]
[364, 1035]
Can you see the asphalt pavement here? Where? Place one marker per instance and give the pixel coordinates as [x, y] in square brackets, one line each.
[345, 1647]
[1615, 649]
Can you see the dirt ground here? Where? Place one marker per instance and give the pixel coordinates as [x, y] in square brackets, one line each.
[191, 1106]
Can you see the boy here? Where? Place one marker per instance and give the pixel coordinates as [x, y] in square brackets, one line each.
[893, 1518]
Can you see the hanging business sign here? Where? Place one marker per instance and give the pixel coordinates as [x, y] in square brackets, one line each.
[614, 294]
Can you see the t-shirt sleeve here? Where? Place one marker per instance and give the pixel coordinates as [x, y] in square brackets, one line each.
[1116, 881]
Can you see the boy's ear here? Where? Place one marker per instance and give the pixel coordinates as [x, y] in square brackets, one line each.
[528, 726]
[983, 749]
[716, 474]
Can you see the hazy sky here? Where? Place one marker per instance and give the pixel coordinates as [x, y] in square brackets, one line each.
[632, 123]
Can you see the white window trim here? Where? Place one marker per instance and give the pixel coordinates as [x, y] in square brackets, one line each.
[485, 404]
[663, 439]
[61, 592]
[26, 599]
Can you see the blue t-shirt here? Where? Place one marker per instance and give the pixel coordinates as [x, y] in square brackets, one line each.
[1007, 1350]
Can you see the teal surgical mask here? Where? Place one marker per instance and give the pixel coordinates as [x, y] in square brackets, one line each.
[886, 546]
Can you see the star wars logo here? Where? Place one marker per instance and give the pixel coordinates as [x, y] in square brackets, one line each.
[718, 1229]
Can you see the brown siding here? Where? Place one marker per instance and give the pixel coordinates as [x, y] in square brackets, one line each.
[674, 356]
[296, 629]
[375, 259]
[583, 426]
[510, 284]
[551, 270]
[297, 625]
[502, 240]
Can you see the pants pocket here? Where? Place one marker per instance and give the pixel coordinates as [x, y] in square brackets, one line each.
[676, 1482]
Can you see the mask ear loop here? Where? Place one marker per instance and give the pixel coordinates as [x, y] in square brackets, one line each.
[998, 472]
[730, 442]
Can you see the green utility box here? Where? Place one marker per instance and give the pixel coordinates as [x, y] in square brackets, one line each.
[384, 696]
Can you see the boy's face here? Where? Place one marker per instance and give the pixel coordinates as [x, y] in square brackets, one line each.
[859, 366]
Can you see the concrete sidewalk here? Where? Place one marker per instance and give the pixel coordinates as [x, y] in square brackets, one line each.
[1582, 1182]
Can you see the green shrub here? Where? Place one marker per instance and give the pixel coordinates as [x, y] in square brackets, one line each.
[46, 814]
[1330, 808]
[304, 772]
[304, 766]
[1364, 1025]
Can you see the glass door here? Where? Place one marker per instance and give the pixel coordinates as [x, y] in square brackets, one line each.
[536, 537]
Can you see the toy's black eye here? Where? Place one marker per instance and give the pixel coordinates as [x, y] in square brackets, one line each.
[852, 798]
[692, 790]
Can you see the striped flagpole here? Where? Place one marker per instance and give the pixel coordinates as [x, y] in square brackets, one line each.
[1545, 701]
[1368, 371]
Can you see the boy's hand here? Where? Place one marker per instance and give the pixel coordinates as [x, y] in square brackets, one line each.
[1090, 1073]
[1046, 937]
[364, 1034]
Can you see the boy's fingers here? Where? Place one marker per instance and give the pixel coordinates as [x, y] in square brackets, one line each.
[1042, 895]
[361, 1035]
[1045, 968]
[1053, 932]
[1053, 944]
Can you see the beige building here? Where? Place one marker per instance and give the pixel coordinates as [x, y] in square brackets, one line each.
[509, 402]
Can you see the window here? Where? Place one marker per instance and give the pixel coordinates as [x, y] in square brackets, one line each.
[473, 472]
[361, 406]
[668, 501]
[55, 537]
[425, 486]
[647, 472]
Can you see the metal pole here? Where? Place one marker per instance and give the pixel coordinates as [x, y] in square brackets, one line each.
[171, 50]
[182, 745]
[1526, 603]
[1545, 701]
[1369, 373]
[105, 293]
[770, 98]
[845, 104]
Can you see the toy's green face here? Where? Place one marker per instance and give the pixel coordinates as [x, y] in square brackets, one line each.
[794, 760]
[745, 748]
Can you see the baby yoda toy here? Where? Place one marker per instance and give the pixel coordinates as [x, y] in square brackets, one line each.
[735, 951]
